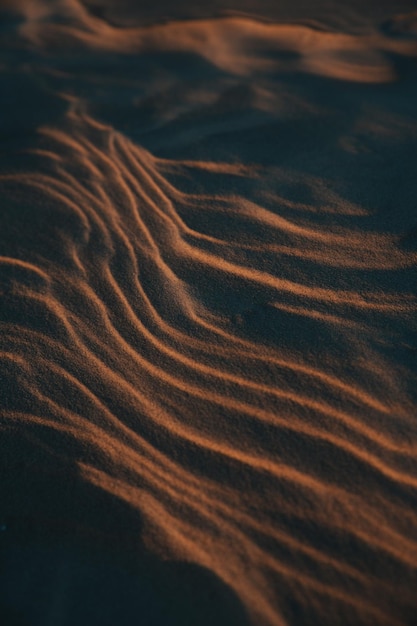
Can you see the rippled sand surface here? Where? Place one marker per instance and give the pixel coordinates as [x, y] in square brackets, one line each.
[208, 241]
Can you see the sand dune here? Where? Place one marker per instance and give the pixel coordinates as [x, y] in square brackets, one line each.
[208, 338]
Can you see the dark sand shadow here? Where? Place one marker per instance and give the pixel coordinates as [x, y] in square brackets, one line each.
[64, 572]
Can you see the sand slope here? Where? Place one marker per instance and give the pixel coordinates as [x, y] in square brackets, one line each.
[208, 349]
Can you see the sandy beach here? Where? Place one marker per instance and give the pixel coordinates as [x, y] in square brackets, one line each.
[208, 348]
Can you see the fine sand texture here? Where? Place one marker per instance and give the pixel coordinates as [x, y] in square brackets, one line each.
[208, 348]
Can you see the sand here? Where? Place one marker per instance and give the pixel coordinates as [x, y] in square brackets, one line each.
[208, 348]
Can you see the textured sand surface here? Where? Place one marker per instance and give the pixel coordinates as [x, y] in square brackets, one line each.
[208, 349]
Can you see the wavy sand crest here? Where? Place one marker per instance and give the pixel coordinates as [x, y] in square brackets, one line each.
[208, 305]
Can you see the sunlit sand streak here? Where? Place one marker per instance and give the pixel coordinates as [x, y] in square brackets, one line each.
[332, 381]
[170, 523]
[287, 572]
[139, 160]
[67, 190]
[185, 535]
[382, 302]
[409, 550]
[235, 44]
[126, 352]
[242, 408]
[347, 250]
[230, 515]
[210, 372]
[220, 400]
[120, 425]
[33, 270]
[249, 211]
[121, 451]
[353, 299]
[83, 389]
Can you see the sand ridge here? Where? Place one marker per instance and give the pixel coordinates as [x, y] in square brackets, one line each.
[208, 304]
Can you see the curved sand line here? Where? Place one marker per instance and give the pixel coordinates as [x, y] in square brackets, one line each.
[225, 347]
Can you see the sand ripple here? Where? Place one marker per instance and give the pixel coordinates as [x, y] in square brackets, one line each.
[224, 342]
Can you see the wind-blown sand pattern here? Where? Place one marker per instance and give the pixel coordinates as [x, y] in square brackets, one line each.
[208, 301]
